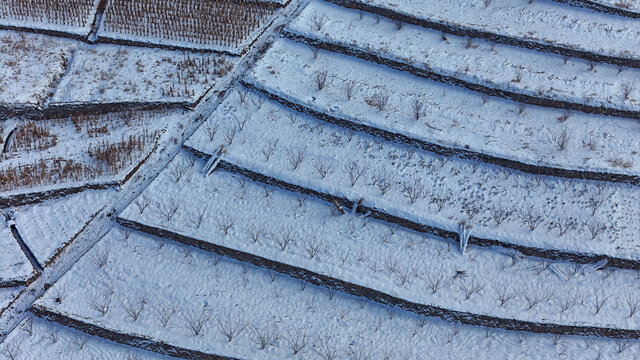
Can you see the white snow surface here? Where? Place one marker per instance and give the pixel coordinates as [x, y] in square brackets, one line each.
[47, 226]
[452, 116]
[51, 341]
[460, 187]
[498, 66]
[171, 277]
[112, 73]
[14, 265]
[31, 66]
[374, 254]
[546, 22]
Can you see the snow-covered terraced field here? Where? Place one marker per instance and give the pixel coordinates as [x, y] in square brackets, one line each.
[48, 226]
[448, 116]
[56, 342]
[15, 268]
[543, 22]
[233, 309]
[31, 67]
[112, 74]
[556, 213]
[227, 210]
[502, 67]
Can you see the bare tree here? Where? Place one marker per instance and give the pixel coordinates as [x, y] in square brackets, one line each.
[177, 169]
[211, 129]
[532, 218]
[565, 301]
[196, 217]
[270, 148]
[27, 326]
[623, 344]
[470, 287]
[384, 180]
[596, 228]
[417, 108]
[163, 313]
[101, 303]
[633, 304]
[229, 135]
[504, 294]
[565, 224]
[413, 189]
[500, 214]
[349, 88]
[598, 300]
[359, 352]
[534, 296]
[255, 232]
[168, 208]
[142, 202]
[242, 121]
[325, 349]
[264, 335]
[100, 255]
[312, 246]
[436, 281]
[12, 350]
[626, 89]
[320, 79]
[561, 138]
[285, 237]
[378, 100]
[80, 341]
[224, 222]
[323, 166]
[230, 326]
[297, 340]
[596, 202]
[133, 308]
[295, 156]
[403, 274]
[195, 321]
[355, 171]
[318, 21]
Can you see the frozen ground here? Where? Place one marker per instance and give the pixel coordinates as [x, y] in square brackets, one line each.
[48, 226]
[421, 186]
[111, 73]
[31, 67]
[497, 66]
[14, 265]
[373, 254]
[6, 296]
[546, 22]
[37, 339]
[229, 295]
[449, 116]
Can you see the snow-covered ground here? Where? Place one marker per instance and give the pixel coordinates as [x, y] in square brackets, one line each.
[497, 66]
[379, 256]
[631, 5]
[69, 144]
[421, 186]
[7, 295]
[48, 226]
[546, 22]
[111, 73]
[450, 116]
[227, 295]
[71, 16]
[31, 67]
[37, 339]
[14, 265]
